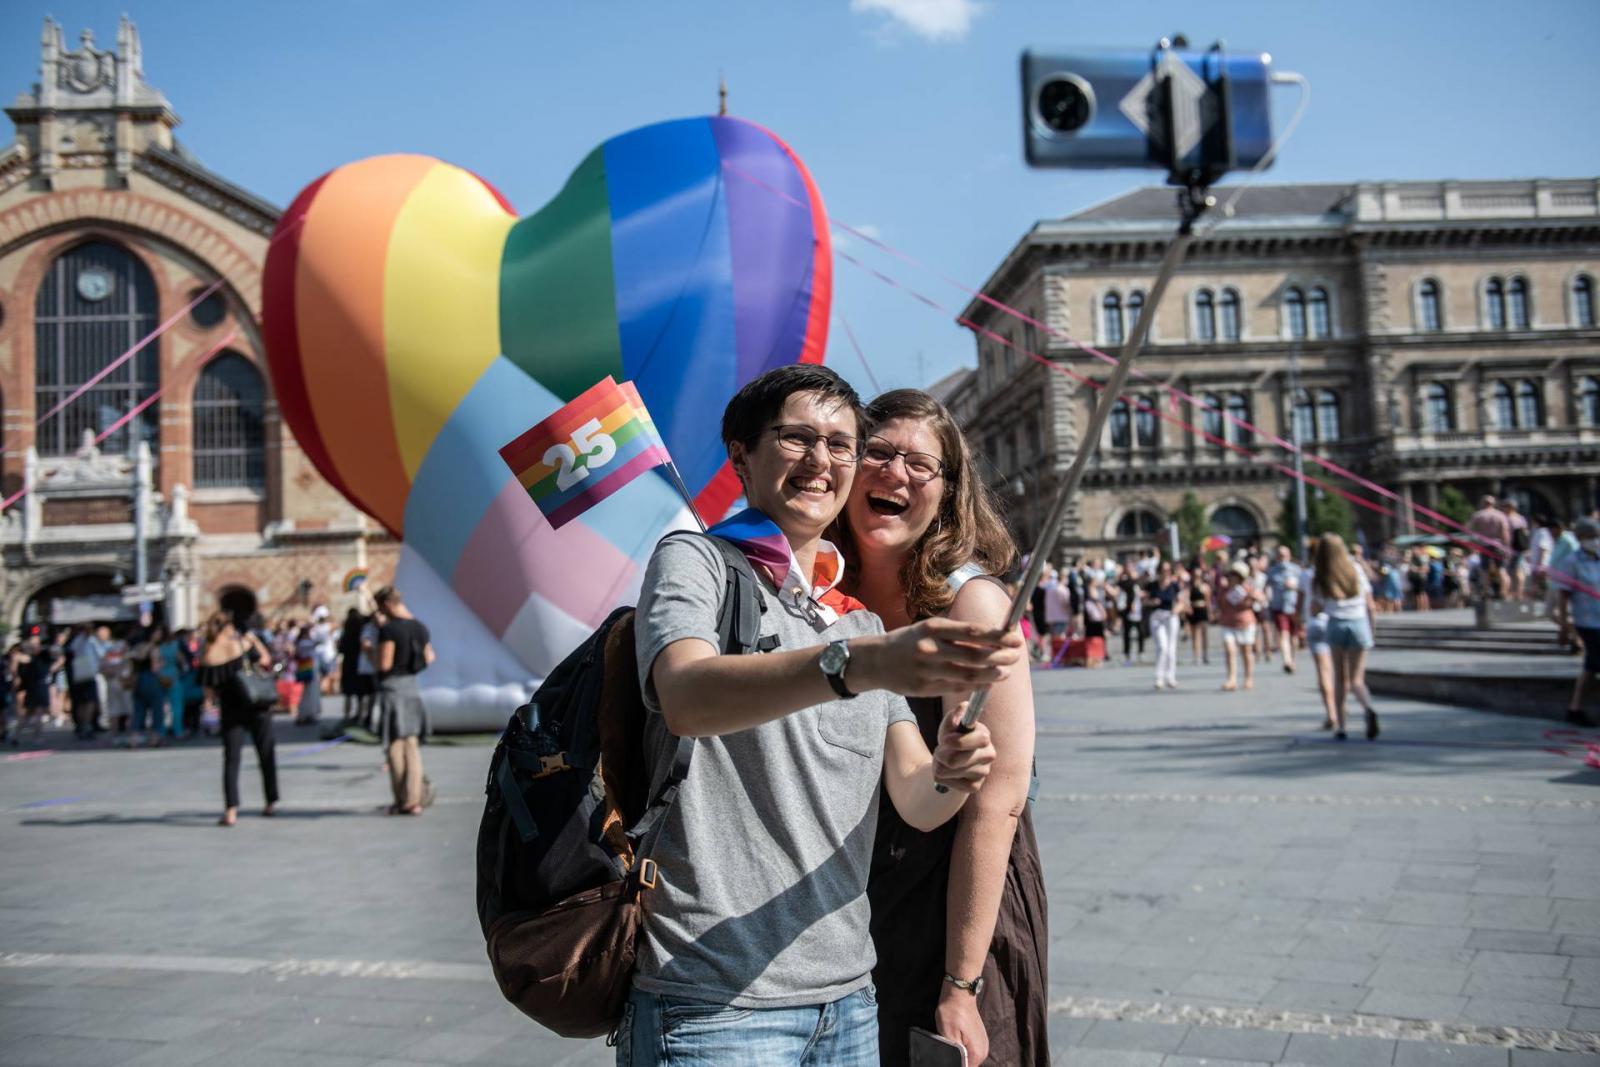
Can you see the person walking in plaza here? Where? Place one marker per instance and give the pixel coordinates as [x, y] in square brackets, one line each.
[1314, 624]
[117, 670]
[1237, 607]
[357, 679]
[149, 694]
[307, 645]
[175, 675]
[84, 670]
[36, 668]
[1343, 591]
[223, 661]
[1578, 576]
[1283, 597]
[405, 649]
[9, 691]
[1520, 541]
[1130, 614]
[1493, 532]
[1163, 599]
[756, 945]
[966, 900]
[1199, 616]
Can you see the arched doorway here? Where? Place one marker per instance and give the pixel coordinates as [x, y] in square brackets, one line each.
[238, 602]
[1236, 523]
[93, 596]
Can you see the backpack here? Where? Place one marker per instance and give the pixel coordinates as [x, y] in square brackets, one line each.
[571, 820]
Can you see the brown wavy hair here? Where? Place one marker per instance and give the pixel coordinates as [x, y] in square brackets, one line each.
[966, 528]
[1336, 572]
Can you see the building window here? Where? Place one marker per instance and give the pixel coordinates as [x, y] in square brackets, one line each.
[1529, 413]
[1111, 318]
[1327, 415]
[1583, 301]
[1030, 334]
[1144, 423]
[1429, 316]
[1321, 318]
[1239, 420]
[1519, 303]
[1438, 412]
[229, 442]
[1205, 315]
[1303, 418]
[1236, 522]
[1035, 443]
[1135, 307]
[209, 311]
[1505, 413]
[1121, 425]
[1215, 429]
[1230, 315]
[1294, 309]
[1494, 303]
[96, 302]
[1139, 523]
[1009, 348]
[1589, 402]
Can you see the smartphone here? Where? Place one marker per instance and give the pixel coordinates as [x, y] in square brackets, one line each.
[930, 1050]
[1096, 109]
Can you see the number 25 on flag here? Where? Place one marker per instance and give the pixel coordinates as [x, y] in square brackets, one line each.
[589, 449]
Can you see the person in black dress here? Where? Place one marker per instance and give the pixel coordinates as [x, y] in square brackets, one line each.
[959, 921]
[222, 664]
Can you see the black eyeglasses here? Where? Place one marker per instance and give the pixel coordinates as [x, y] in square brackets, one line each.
[800, 440]
[920, 466]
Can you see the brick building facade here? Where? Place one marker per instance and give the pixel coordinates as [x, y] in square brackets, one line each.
[1421, 334]
[109, 228]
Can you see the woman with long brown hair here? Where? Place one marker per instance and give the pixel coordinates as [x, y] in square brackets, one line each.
[958, 914]
[223, 659]
[1341, 588]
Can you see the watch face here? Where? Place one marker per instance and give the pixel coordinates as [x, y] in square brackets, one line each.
[94, 284]
[834, 657]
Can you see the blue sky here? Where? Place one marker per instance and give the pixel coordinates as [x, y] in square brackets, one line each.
[905, 110]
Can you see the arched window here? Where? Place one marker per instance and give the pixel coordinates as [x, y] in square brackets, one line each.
[1519, 303]
[1239, 417]
[96, 302]
[1494, 303]
[1212, 423]
[1139, 523]
[1121, 423]
[1294, 309]
[1438, 411]
[1505, 413]
[1135, 307]
[1205, 315]
[1304, 417]
[1235, 522]
[1144, 423]
[1327, 415]
[1429, 313]
[1589, 402]
[229, 442]
[1111, 317]
[1321, 318]
[1230, 315]
[1529, 406]
[1583, 301]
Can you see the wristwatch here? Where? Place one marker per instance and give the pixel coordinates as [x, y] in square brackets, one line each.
[973, 985]
[835, 658]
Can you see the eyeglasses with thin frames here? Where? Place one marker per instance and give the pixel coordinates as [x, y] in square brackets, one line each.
[920, 466]
[801, 440]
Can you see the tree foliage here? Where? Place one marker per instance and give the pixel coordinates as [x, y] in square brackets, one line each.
[1192, 526]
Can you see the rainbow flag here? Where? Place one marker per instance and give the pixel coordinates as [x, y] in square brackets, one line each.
[586, 451]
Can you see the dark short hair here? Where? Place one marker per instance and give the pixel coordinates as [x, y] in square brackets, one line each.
[753, 407]
[386, 596]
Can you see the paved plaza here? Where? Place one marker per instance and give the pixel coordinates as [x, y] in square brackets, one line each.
[1227, 886]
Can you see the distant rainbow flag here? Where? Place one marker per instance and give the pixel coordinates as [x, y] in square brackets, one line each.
[586, 451]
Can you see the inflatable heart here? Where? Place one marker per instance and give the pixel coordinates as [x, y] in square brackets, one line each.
[414, 325]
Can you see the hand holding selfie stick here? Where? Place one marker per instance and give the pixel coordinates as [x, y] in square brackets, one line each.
[1193, 201]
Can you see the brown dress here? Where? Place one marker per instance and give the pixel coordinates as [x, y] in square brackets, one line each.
[908, 886]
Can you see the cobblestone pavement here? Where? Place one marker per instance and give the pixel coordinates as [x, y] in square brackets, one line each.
[1227, 886]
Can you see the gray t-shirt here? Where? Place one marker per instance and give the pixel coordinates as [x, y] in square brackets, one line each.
[761, 900]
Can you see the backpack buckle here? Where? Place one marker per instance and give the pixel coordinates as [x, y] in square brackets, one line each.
[552, 764]
[647, 873]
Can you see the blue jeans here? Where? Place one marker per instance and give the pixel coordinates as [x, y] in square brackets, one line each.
[659, 1031]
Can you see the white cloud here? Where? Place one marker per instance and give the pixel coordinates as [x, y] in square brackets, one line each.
[846, 241]
[937, 20]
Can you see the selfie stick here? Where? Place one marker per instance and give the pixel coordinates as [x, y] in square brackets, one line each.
[1193, 201]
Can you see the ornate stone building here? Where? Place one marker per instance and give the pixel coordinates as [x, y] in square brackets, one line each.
[110, 229]
[1420, 334]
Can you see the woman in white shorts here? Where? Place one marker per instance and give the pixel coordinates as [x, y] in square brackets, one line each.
[1343, 591]
[1236, 614]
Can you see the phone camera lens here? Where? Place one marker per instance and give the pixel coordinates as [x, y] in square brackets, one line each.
[1063, 105]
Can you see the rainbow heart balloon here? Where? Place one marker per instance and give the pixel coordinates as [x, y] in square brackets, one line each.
[414, 325]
